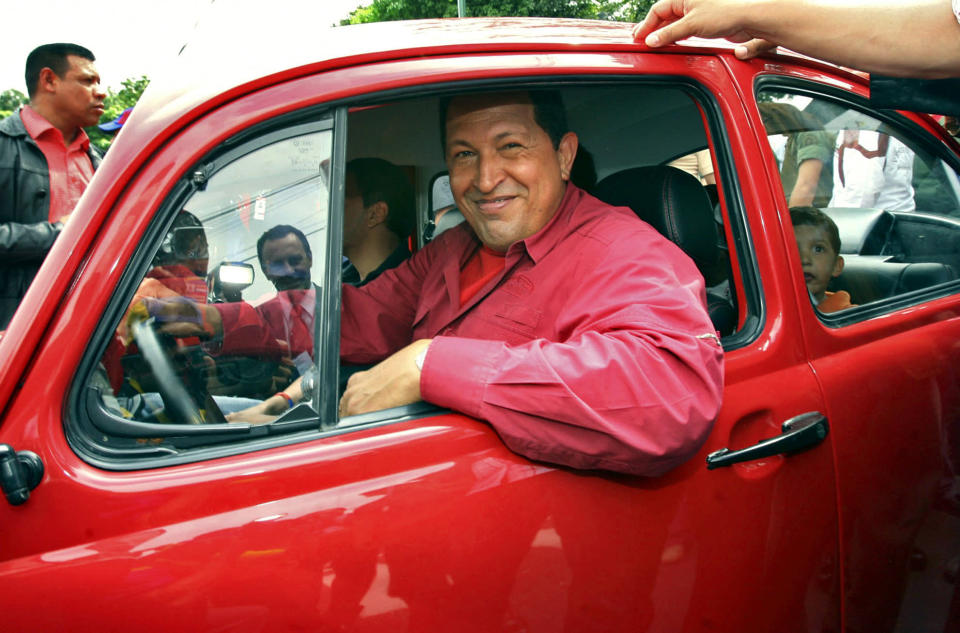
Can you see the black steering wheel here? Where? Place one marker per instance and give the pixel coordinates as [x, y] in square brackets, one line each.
[176, 398]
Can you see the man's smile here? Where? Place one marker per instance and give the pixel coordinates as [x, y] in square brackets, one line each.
[493, 204]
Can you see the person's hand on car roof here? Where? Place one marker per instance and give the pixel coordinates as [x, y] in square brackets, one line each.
[669, 21]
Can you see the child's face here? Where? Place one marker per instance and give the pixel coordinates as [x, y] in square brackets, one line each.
[820, 262]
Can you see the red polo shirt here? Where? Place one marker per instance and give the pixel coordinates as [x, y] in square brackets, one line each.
[70, 167]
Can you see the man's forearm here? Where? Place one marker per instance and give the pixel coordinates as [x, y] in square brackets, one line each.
[911, 38]
[607, 401]
[805, 189]
[906, 39]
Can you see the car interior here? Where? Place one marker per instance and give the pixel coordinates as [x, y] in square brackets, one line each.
[887, 253]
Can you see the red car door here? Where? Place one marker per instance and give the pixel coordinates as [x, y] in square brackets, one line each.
[888, 367]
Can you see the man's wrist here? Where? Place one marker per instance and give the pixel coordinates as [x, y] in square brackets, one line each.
[277, 404]
[421, 357]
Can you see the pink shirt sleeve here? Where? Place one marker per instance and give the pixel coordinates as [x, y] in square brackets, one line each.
[634, 389]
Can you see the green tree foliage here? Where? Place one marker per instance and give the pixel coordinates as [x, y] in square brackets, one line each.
[385, 10]
[10, 100]
[624, 10]
[114, 104]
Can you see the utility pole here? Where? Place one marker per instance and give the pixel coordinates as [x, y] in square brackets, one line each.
[461, 8]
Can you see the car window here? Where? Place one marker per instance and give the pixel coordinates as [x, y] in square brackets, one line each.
[627, 134]
[242, 246]
[643, 129]
[874, 205]
[219, 340]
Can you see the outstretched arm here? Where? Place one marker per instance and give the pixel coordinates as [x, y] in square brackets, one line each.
[805, 189]
[913, 38]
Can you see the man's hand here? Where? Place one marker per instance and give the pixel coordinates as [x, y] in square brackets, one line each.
[671, 20]
[283, 372]
[392, 383]
[181, 317]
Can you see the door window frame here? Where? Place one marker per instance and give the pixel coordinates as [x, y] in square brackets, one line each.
[86, 437]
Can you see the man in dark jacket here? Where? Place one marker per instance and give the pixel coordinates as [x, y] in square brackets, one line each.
[46, 162]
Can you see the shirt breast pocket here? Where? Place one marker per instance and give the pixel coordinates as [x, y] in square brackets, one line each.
[517, 322]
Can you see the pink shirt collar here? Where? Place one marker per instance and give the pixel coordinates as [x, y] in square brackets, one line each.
[37, 126]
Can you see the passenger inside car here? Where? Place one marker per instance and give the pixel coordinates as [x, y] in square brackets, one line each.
[818, 242]
[504, 293]
[378, 218]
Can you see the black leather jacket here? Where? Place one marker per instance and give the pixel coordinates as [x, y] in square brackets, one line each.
[26, 235]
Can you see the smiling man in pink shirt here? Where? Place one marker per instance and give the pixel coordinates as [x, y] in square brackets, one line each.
[573, 328]
[46, 162]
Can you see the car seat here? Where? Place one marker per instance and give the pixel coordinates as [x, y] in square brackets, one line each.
[874, 278]
[676, 204]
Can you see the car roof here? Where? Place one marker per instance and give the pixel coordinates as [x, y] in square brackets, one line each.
[232, 53]
[236, 52]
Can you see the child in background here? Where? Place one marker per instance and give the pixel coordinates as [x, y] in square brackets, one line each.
[818, 241]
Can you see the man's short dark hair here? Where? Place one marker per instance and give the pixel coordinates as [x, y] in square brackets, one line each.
[381, 181]
[548, 112]
[54, 57]
[812, 216]
[278, 232]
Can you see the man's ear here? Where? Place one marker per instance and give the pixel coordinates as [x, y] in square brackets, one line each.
[837, 267]
[377, 214]
[567, 152]
[47, 81]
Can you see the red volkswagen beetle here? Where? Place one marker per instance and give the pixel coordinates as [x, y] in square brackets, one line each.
[825, 498]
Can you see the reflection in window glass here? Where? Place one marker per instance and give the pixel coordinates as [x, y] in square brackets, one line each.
[806, 157]
[224, 317]
[281, 183]
[876, 214]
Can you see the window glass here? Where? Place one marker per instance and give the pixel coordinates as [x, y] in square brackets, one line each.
[224, 315]
[876, 212]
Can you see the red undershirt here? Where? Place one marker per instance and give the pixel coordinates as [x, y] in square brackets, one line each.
[483, 265]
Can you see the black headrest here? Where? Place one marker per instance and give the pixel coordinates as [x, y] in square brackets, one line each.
[672, 201]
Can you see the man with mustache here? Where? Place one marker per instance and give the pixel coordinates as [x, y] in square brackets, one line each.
[46, 162]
